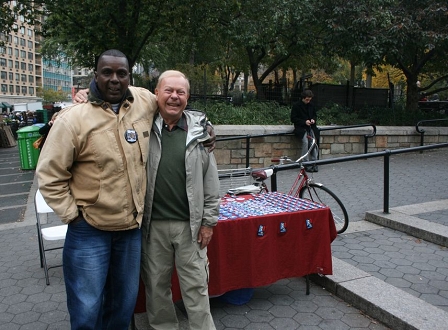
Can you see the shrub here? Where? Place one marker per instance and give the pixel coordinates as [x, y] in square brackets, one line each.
[251, 113]
[271, 113]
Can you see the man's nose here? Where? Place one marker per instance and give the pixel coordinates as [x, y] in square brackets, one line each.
[114, 77]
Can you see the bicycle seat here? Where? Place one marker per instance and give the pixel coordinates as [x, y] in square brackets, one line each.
[262, 174]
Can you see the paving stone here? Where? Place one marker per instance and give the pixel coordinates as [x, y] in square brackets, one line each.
[378, 253]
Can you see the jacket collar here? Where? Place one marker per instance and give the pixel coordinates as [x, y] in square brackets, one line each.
[96, 98]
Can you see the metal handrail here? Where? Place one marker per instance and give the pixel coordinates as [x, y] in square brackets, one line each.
[422, 131]
[366, 136]
[249, 137]
[386, 154]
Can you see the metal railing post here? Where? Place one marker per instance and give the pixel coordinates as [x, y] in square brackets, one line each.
[366, 136]
[274, 180]
[247, 150]
[386, 181]
[422, 131]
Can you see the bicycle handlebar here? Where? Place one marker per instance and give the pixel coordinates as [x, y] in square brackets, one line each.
[289, 160]
[313, 144]
[263, 174]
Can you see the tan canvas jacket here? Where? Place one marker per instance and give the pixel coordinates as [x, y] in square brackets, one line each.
[94, 161]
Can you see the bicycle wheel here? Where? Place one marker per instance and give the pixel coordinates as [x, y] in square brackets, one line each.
[320, 194]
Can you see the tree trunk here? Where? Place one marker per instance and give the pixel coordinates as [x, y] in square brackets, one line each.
[412, 93]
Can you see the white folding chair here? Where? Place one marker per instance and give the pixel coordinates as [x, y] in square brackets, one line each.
[49, 233]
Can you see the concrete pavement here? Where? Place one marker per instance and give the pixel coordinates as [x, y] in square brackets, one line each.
[383, 277]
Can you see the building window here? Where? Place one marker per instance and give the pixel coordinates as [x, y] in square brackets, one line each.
[9, 50]
[16, 40]
[22, 29]
[11, 76]
[4, 88]
[24, 90]
[30, 67]
[2, 50]
[30, 32]
[30, 44]
[22, 66]
[16, 52]
[3, 75]
[31, 78]
[17, 76]
[23, 54]
[23, 77]
[31, 90]
[2, 62]
[22, 42]
[16, 64]
[30, 56]
[18, 89]
[9, 63]
[11, 89]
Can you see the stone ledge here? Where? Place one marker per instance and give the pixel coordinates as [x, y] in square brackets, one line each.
[232, 130]
[395, 308]
[333, 143]
[402, 220]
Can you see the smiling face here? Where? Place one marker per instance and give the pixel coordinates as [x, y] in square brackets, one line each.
[172, 94]
[112, 77]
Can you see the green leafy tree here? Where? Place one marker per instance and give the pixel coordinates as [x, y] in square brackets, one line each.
[83, 29]
[49, 95]
[354, 31]
[417, 44]
[409, 35]
[269, 32]
[30, 10]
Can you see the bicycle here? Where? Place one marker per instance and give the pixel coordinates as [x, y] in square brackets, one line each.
[305, 187]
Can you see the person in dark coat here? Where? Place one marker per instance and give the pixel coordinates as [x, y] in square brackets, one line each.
[44, 130]
[304, 117]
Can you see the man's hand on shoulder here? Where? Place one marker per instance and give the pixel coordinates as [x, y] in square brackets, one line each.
[82, 96]
[210, 143]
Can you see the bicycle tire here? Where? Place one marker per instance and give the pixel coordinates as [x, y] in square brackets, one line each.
[323, 195]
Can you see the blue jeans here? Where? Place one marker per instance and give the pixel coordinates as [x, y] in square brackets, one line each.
[101, 273]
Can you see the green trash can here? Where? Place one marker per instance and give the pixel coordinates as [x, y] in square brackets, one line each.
[28, 154]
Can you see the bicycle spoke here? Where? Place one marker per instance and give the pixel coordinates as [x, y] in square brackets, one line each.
[326, 197]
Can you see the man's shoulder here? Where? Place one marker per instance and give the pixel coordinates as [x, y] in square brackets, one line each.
[144, 98]
[194, 112]
[75, 109]
[140, 91]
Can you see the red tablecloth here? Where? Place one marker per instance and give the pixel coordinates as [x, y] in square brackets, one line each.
[240, 258]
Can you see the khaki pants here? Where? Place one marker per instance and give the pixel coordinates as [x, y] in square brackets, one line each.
[170, 241]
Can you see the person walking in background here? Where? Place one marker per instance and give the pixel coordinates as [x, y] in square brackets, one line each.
[181, 209]
[92, 173]
[304, 117]
[44, 130]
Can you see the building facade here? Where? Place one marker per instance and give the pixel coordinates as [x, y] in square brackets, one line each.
[58, 76]
[20, 64]
[23, 70]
